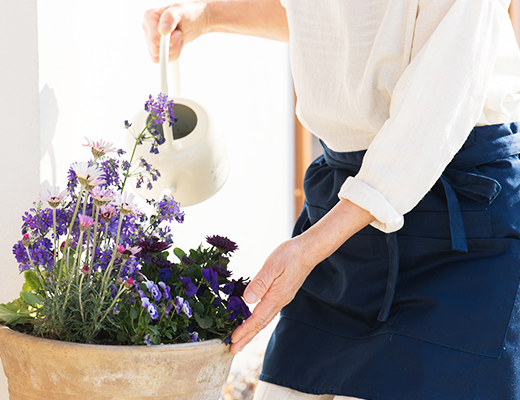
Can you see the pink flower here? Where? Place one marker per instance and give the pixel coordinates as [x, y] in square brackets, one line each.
[54, 197]
[85, 221]
[107, 212]
[128, 252]
[99, 148]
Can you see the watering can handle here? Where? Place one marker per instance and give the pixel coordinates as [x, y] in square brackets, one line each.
[163, 62]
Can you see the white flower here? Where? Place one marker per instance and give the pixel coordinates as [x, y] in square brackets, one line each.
[88, 175]
[102, 196]
[125, 203]
[54, 197]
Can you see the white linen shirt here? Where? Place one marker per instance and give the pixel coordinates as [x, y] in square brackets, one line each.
[405, 79]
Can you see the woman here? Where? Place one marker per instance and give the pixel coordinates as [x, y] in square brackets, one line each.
[401, 279]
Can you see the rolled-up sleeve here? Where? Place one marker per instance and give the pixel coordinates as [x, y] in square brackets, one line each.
[435, 104]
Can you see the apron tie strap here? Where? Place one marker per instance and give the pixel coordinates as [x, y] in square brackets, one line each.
[393, 272]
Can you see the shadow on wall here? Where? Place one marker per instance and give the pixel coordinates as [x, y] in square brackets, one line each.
[49, 112]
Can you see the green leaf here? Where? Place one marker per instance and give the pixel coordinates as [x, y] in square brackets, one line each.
[32, 283]
[204, 323]
[133, 313]
[121, 336]
[32, 299]
[179, 253]
[14, 313]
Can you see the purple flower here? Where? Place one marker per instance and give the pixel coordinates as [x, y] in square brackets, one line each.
[164, 274]
[147, 340]
[228, 288]
[179, 301]
[168, 309]
[186, 308]
[217, 301]
[237, 309]
[221, 270]
[168, 210]
[222, 243]
[152, 310]
[186, 260]
[166, 291]
[240, 287]
[154, 290]
[153, 245]
[145, 301]
[194, 336]
[212, 278]
[191, 289]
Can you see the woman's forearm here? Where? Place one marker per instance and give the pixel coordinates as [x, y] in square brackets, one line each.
[263, 18]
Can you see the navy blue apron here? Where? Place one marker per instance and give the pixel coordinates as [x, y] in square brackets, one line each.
[426, 313]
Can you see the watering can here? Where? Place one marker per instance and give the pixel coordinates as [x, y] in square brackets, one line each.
[192, 161]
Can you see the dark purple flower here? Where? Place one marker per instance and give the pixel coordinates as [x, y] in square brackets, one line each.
[186, 260]
[153, 245]
[240, 287]
[222, 243]
[221, 271]
[228, 288]
[191, 289]
[168, 309]
[194, 336]
[227, 340]
[164, 274]
[217, 301]
[212, 278]
[237, 309]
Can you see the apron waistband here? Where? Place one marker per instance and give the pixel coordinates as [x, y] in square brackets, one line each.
[484, 145]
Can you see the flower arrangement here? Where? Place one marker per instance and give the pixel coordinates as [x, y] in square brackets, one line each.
[98, 270]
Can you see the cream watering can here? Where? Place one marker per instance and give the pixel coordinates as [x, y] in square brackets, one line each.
[192, 162]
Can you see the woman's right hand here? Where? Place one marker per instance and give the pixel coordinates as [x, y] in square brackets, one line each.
[186, 21]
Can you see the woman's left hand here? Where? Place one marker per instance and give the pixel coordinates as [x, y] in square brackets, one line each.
[285, 270]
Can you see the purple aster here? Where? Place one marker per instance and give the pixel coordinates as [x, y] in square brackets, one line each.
[240, 287]
[237, 309]
[222, 243]
[186, 260]
[212, 278]
[191, 289]
[153, 245]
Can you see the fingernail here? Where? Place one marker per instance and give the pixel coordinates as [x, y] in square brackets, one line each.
[250, 297]
[164, 28]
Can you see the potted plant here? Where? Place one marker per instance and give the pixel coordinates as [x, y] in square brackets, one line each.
[106, 311]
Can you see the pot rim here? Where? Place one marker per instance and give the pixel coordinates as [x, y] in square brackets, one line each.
[4, 329]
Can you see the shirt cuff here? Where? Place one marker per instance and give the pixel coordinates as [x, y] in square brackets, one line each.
[365, 196]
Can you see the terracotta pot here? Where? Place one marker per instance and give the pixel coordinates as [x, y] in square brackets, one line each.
[44, 369]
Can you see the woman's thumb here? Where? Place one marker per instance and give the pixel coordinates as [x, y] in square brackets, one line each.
[167, 23]
[257, 288]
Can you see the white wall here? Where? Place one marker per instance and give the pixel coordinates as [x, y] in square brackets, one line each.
[94, 72]
[20, 147]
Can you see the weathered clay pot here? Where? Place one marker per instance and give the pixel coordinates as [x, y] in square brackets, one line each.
[43, 369]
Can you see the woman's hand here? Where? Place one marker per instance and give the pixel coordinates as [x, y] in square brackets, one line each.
[187, 21]
[288, 266]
